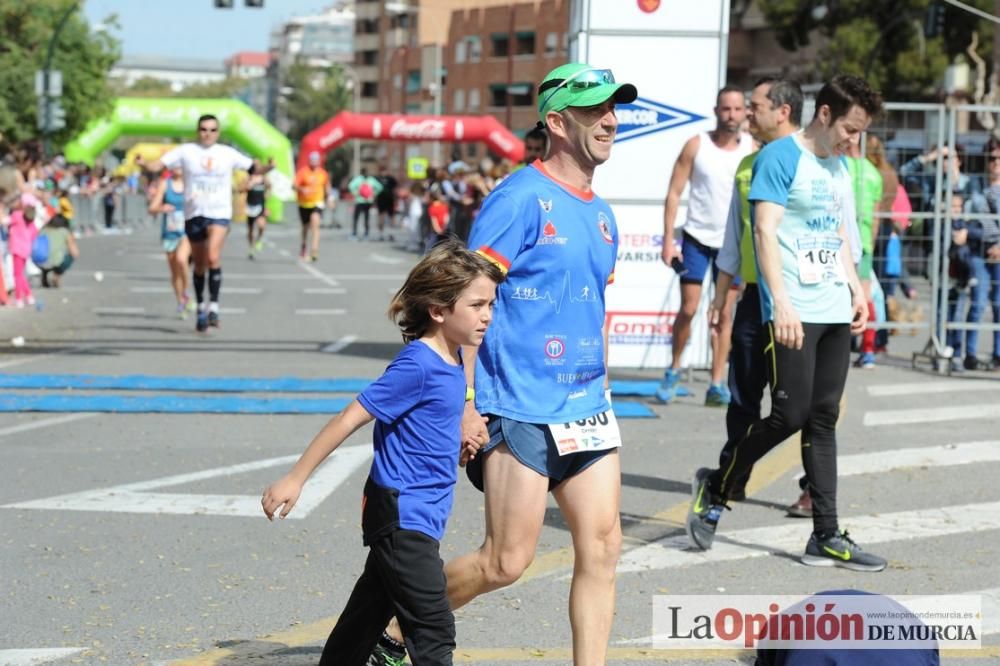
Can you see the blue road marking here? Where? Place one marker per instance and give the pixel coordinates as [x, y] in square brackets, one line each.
[179, 404]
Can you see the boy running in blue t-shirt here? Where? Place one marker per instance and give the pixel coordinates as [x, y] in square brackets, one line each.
[417, 403]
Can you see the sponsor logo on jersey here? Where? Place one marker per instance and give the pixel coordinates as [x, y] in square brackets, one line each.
[604, 224]
[554, 348]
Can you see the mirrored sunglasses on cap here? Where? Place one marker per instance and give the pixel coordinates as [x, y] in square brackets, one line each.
[582, 80]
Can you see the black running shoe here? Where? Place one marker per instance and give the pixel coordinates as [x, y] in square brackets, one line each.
[201, 324]
[213, 319]
[384, 656]
[703, 515]
[840, 551]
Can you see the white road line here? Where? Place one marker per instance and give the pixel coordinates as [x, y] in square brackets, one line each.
[953, 386]
[168, 290]
[137, 498]
[381, 259]
[114, 311]
[930, 414]
[947, 455]
[319, 275]
[37, 656]
[44, 423]
[339, 345]
[320, 311]
[232, 311]
[324, 290]
[791, 539]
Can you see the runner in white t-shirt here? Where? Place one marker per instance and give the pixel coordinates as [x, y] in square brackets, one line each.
[208, 207]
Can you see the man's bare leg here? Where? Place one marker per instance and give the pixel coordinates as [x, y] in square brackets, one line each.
[590, 504]
[690, 297]
[515, 511]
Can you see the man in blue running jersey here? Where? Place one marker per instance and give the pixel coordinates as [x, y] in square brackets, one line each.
[540, 419]
[544, 371]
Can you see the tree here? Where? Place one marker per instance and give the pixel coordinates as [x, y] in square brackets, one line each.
[892, 42]
[84, 57]
[311, 96]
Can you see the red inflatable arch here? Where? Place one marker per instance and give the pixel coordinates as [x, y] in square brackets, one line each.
[384, 127]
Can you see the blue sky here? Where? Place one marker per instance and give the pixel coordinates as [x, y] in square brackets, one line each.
[195, 28]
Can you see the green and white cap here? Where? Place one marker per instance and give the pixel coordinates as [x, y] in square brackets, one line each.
[579, 84]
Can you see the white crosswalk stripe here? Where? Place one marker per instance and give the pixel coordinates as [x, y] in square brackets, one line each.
[930, 414]
[791, 539]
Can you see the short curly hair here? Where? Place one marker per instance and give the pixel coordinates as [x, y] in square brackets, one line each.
[844, 91]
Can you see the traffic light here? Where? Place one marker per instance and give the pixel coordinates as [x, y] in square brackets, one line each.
[254, 3]
[934, 20]
[223, 4]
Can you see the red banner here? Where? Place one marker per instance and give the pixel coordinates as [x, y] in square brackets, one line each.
[387, 127]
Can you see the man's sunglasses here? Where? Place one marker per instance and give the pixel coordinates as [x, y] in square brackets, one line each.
[993, 158]
[582, 80]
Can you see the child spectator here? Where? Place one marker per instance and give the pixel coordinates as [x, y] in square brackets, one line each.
[440, 217]
[446, 302]
[21, 234]
[63, 251]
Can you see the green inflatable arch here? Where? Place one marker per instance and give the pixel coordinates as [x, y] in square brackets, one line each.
[177, 118]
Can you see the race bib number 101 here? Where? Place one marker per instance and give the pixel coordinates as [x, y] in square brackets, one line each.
[818, 259]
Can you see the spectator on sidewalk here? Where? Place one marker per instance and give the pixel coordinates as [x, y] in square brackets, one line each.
[63, 251]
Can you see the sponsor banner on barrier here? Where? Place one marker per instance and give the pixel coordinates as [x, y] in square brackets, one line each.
[819, 622]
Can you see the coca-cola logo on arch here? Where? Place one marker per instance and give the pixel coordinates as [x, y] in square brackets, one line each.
[425, 129]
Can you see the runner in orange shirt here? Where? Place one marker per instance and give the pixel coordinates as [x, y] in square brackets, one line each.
[312, 185]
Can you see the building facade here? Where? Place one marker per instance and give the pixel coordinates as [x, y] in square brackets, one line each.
[321, 41]
[179, 72]
[456, 57]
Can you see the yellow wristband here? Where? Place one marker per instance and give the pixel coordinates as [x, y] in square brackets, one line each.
[470, 393]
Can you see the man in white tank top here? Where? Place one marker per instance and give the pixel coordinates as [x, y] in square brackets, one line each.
[708, 162]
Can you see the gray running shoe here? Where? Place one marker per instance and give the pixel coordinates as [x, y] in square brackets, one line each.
[840, 550]
[704, 513]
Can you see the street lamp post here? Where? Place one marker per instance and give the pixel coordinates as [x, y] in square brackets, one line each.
[46, 97]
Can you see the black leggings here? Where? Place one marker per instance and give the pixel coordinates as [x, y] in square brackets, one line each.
[404, 576]
[806, 387]
[361, 210]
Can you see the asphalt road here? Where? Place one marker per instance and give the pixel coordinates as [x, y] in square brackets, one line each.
[133, 538]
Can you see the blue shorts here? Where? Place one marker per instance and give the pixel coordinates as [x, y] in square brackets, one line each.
[197, 227]
[697, 258]
[533, 446]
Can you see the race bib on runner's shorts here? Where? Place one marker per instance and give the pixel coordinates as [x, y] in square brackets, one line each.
[596, 433]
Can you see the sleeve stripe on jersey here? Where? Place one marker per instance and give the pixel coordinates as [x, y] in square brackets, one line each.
[502, 262]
